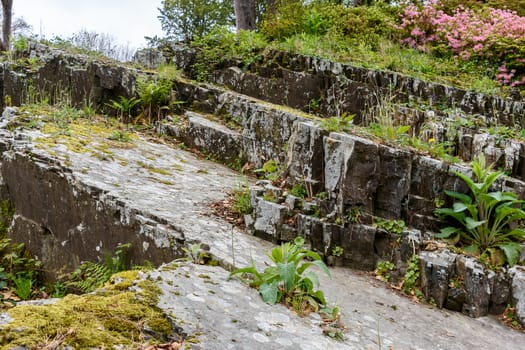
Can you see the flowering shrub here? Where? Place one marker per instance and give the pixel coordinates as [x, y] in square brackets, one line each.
[479, 34]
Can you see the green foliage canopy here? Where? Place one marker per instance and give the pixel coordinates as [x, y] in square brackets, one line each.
[187, 19]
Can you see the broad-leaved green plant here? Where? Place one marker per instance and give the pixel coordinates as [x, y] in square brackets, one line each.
[488, 222]
[288, 280]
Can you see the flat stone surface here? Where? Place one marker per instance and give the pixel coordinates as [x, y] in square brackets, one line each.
[229, 315]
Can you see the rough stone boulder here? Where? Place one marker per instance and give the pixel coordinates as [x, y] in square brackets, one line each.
[60, 77]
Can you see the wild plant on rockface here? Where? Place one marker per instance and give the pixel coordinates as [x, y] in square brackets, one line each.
[287, 280]
[488, 223]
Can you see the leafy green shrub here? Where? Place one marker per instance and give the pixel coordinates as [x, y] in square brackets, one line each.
[221, 44]
[485, 220]
[154, 96]
[320, 18]
[189, 19]
[20, 44]
[285, 21]
[287, 280]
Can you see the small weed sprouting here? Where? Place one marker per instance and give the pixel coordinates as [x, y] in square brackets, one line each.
[410, 281]
[321, 195]
[337, 251]
[354, 215]
[197, 255]
[270, 170]
[383, 270]
[509, 317]
[59, 290]
[332, 325]
[23, 285]
[90, 275]
[342, 123]
[88, 112]
[299, 191]
[119, 260]
[242, 203]
[269, 196]
[393, 226]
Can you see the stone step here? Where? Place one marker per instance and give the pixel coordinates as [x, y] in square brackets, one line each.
[466, 121]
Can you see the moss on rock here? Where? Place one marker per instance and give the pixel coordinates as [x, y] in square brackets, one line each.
[114, 315]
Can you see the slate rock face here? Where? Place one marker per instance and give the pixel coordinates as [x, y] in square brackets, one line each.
[352, 171]
[311, 228]
[358, 246]
[213, 138]
[517, 274]
[436, 268]
[268, 219]
[64, 222]
[79, 79]
[305, 158]
[392, 192]
[477, 286]
[500, 291]
[504, 153]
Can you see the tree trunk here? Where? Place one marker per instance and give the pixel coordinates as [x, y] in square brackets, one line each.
[245, 14]
[271, 6]
[7, 14]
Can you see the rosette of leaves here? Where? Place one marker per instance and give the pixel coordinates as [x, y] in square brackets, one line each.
[488, 223]
[288, 280]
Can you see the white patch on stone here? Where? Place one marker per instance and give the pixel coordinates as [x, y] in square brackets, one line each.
[194, 297]
[284, 341]
[261, 338]
[145, 246]
[230, 289]
[311, 346]
[369, 319]
[272, 317]
[63, 243]
[254, 305]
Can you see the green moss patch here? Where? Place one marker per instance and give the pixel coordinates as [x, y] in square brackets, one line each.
[64, 126]
[112, 316]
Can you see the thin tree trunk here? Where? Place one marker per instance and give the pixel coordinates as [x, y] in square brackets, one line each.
[7, 13]
[245, 14]
[271, 6]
